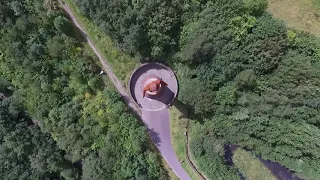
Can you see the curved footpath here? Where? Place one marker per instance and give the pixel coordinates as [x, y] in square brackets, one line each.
[157, 121]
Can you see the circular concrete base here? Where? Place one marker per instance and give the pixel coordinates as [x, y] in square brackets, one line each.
[161, 101]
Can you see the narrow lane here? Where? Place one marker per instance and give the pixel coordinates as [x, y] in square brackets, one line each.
[106, 66]
[158, 124]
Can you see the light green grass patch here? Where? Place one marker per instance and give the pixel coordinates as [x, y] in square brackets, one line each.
[316, 3]
[250, 166]
[299, 14]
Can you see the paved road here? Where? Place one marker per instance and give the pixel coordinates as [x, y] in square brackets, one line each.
[157, 122]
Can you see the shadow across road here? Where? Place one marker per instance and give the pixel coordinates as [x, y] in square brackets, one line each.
[155, 137]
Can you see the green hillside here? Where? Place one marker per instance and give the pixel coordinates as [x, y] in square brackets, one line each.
[243, 74]
[245, 78]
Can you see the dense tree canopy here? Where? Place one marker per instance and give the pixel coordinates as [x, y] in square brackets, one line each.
[85, 124]
[264, 88]
[245, 75]
[249, 78]
[147, 28]
[26, 152]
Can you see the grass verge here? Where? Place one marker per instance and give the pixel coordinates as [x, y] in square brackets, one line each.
[121, 63]
[299, 14]
[250, 166]
[178, 125]
[317, 4]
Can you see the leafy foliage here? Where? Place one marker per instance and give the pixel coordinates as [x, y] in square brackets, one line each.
[250, 79]
[62, 24]
[208, 149]
[255, 7]
[145, 28]
[59, 85]
[26, 152]
[205, 37]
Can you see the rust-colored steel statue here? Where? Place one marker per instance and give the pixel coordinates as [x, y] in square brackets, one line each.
[152, 86]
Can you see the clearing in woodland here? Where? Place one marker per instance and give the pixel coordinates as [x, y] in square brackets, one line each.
[298, 14]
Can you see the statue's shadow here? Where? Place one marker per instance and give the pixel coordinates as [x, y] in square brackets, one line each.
[165, 96]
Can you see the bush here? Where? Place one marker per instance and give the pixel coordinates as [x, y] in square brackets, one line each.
[63, 25]
[246, 79]
[205, 37]
[255, 7]
[208, 150]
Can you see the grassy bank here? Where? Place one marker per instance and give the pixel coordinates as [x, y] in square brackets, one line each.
[121, 63]
[178, 125]
[299, 14]
[250, 166]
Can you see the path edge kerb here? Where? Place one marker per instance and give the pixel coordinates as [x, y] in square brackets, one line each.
[155, 63]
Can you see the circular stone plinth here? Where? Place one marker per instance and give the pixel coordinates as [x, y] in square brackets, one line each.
[160, 101]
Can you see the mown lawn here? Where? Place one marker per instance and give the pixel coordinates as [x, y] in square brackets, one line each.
[250, 166]
[122, 64]
[298, 14]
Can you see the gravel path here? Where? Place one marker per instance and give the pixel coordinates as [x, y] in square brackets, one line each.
[106, 66]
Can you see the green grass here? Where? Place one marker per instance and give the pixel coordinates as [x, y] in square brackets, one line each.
[178, 125]
[298, 14]
[251, 167]
[122, 64]
[316, 3]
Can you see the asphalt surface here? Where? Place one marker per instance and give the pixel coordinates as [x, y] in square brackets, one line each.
[157, 121]
[158, 124]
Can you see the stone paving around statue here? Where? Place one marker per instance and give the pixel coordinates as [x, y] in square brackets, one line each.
[160, 102]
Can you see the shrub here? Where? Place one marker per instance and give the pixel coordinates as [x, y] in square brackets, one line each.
[255, 7]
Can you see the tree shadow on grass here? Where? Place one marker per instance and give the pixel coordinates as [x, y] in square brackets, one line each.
[182, 108]
[187, 111]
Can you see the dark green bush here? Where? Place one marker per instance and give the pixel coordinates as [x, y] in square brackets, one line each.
[60, 87]
[255, 7]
